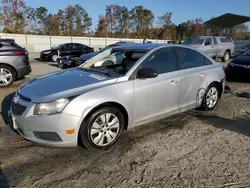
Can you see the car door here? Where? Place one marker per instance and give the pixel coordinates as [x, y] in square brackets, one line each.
[78, 49]
[158, 96]
[209, 47]
[66, 50]
[193, 72]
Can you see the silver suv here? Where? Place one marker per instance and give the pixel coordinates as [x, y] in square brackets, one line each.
[215, 47]
[91, 105]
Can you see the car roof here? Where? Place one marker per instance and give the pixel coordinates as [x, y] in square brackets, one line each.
[140, 47]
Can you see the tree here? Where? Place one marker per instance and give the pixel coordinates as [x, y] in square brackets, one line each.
[239, 31]
[101, 30]
[165, 20]
[196, 26]
[35, 19]
[52, 25]
[12, 17]
[141, 20]
[122, 21]
[112, 14]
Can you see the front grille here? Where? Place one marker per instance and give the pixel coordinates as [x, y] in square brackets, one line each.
[18, 109]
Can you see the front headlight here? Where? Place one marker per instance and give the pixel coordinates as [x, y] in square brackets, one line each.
[50, 108]
[47, 52]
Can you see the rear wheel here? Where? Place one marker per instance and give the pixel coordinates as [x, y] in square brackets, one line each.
[7, 76]
[226, 57]
[102, 129]
[211, 98]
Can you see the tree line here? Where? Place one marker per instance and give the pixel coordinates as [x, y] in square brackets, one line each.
[118, 22]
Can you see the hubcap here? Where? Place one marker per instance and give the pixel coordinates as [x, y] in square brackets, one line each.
[5, 76]
[212, 97]
[226, 57]
[54, 58]
[105, 129]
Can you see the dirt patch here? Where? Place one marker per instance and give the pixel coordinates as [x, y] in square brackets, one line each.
[193, 149]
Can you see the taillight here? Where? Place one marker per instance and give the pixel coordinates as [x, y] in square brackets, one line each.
[224, 68]
[19, 53]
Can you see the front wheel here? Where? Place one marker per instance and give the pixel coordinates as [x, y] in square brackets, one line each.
[211, 98]
[54, 58]
[102, 129]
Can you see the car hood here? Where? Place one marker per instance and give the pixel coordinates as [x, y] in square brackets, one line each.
[88, 56]
[63, 84]
[243, 60]
[47, 50]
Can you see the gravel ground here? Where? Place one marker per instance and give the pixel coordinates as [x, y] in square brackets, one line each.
[192, 149]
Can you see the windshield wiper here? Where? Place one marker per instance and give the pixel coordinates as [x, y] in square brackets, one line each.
[104, 70]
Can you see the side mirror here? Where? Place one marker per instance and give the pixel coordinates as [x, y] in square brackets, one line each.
[146, 73]
[100, 48]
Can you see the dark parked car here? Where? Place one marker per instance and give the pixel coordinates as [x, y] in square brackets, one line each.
[14, 62]
[67, 49]
[242, 49]
[82, 59]
[239, 67]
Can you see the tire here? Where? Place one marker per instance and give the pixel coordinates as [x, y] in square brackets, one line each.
[206, 105]
[61, 65]
[226, 57]
[7, 76]
[94, 132]
[54, 58]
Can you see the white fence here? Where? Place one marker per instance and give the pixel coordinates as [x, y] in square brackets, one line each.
[37, 43]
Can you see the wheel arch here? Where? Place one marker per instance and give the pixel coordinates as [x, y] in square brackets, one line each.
[219, 85]
[104, 104]
[13, 68]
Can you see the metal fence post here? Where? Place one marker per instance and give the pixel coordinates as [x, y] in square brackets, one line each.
[89, 41]
[106, 41]
[50, 44]
[26, 40]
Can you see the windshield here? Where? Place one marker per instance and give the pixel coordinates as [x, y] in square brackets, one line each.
[59, 46]
[105, 48]
[194, 40]
[117, 63]
[247, 53]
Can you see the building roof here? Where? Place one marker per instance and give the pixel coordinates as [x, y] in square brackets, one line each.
[227, 20]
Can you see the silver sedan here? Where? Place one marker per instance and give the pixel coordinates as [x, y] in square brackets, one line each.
[91, 105]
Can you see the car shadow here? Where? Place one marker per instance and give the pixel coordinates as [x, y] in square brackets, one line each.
[5, 107]
[3, 180]
[239, 125]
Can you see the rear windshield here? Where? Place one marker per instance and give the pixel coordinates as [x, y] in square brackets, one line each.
[225, 40]
[194, 40]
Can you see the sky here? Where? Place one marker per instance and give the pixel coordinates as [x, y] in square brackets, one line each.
[182, 10]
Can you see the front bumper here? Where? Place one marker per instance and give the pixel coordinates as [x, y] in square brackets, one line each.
[45, 56]
[28, 126]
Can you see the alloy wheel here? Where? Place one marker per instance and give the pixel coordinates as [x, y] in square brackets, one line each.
[5, 76]
[105, 129]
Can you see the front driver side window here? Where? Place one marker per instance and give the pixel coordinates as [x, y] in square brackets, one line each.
[162, 61]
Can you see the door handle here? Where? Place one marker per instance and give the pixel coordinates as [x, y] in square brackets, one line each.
[202, 74]
[173, 82]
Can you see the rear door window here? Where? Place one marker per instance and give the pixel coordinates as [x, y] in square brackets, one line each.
[215, 41]
[188, 58]
[77, 46]
[225, 40]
